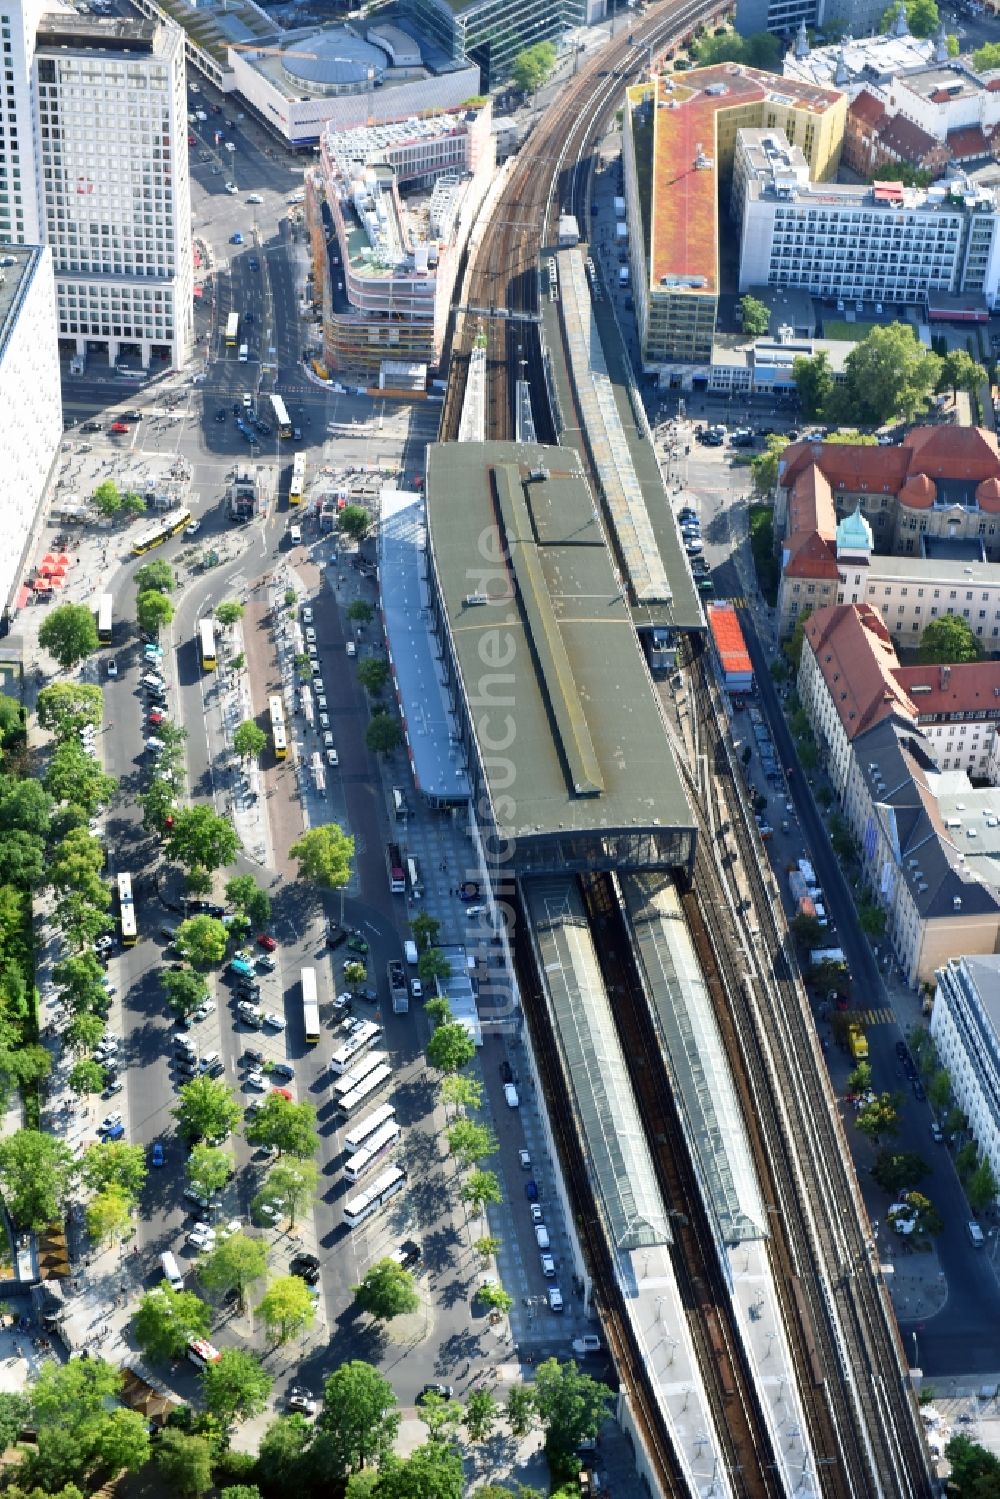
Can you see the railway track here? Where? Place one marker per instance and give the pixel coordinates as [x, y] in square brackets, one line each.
[864, 1425]
[549, 174]
[589, 1225]
[737, 1418]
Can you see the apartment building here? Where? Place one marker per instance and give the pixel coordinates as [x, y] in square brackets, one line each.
[882, 243]
[29, 394]
[930, 848]
[957, 709]
[387, 262]
[965, 1025]
[679, 138]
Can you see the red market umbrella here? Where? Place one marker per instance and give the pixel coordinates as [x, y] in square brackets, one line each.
[41, 585]
[56, 580]
[62, 560]
[47, 560]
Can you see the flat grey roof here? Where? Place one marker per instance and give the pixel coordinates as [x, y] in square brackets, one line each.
[567, 721]
[19, 264]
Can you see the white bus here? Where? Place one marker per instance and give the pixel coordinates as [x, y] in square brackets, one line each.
[413, 878]
[348, 1104]
[379, 1146]
[126, 910]
[362, 1132]
[348, 1080]
[105, 608]
[363, 1036]
[310, 1005]
[357, 1209]
[281, 416]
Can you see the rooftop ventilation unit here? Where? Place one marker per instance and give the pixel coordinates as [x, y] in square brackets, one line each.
[472, 599]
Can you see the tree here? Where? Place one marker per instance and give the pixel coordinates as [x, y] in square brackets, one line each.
[116, 1166]
[287, 1307]
[209, 1168]
[959, 371]
[433, 1471]
[183, 990]
[888, 375]
[520, 1409]
[425, 930]
[948, 640]
[355, 974]
[84, 1032]
[291, 1127]
[470, 1142]
[851, 437]
[360, 612]
[206, 1110]
[488, 1247]
[15, 1412]
[24, 805]
[373, 674]
[438, 1010]
[533, 66]
[756, 316]
[121, 1441]
[249, 740]
[814, 383]
[200, 838]
[202, 940]
[871, 918]
[967, 1159]
[165, 1321]
[229, 613]
[570, 1404]
[69, 634]
[764, 466]
[922, 17]
[235, 1264]
[432, 966]
[450, 1048]
[386, 1291]
[283, 1447]
[981, 1188]
[106, 499]
[383, 734]
[481, 1414]
[109, 1216]
[23, 860]
[987, 57]
[243, 893]
[76, 777]
[939, 1089]
[324, 854]
[494, 1296]
[860, 1079]
[879, 1117]
[155, 576]
[34, 1174]
[153, 611]
[185, 1462]
[290, 1185]
[359, 1418]
[12, 718]
[975, 1471]
[235, 1386]
[74, 1394]
[355, 522]
[86, 1076]
[66, 707]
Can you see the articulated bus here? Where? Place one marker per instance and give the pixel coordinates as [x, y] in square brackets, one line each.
[296, 489]
[105, 605]
[126, 910]
[373, 1082]
[281, 417]
[357, 1209]
[279, 739]
[378, 1147]
[206, 641]
[365, 1128]
[232, 330]
[363, 1036]
[310, 1005]
[154, 536]
[394, 864]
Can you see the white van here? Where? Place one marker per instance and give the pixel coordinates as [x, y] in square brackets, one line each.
[352, 649]
[171, 1272]
[410, 953]
[541, 1236]
[976, 1237]
[510, 1093]
[244, 353]
[295, 535]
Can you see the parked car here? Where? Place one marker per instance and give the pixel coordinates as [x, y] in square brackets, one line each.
[266, 942]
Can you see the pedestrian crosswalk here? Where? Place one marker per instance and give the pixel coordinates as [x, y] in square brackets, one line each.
[880, 1016]
[738, 601]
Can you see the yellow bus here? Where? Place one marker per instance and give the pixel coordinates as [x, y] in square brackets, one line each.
[126, 910]
[155, 535]
[298, 485]
[206, 641]
[279, 738]
[232, 330]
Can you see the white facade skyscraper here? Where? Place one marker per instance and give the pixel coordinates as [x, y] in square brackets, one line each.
[94, 163]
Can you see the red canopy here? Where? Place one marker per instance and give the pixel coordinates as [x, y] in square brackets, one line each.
[47, 560]
[62, 560]
[41, 585]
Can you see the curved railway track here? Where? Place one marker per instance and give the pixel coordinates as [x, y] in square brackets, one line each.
[548, 175]
[738, 1421]
[863, 1420]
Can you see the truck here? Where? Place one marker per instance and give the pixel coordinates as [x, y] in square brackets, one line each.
[620, 208]
[857, 1041]
[397, 988]
[621, 232]
[623, 276]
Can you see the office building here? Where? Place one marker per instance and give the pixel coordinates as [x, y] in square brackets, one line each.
[93, 163]
[679, 138]
[30, 397]
[386, 262]
[490, 33]
[786, 17]
[881, 244]
[965, 1026]
[304, 82]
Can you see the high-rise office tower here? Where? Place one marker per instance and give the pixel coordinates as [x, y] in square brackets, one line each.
[94, 163]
